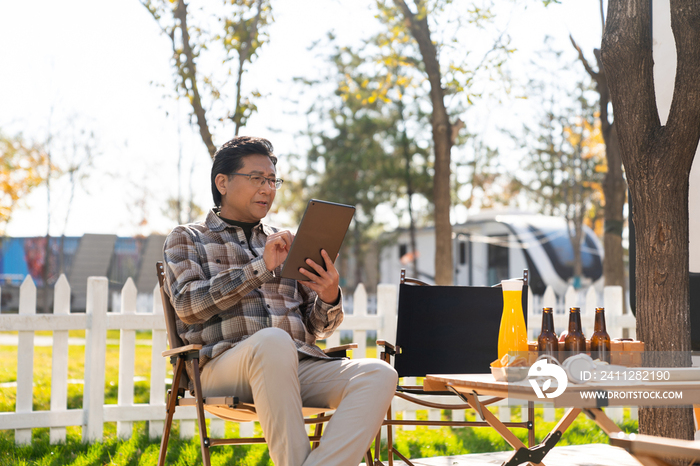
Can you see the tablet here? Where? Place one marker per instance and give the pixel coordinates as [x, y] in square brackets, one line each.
[323, 226]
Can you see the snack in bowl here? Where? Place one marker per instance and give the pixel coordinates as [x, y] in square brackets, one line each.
[510, 368]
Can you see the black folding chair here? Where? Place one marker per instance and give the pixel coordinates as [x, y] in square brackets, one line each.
[445, 330]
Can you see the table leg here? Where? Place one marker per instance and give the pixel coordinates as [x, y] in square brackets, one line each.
[602, 419]
[538, 452]
[493, 421]
[522, 453]
[535, 454]
[531, 426]
[566, 421]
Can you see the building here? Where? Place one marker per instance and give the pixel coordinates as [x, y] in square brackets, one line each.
[116, 258]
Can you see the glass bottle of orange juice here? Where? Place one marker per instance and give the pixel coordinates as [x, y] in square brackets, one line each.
[512, 335]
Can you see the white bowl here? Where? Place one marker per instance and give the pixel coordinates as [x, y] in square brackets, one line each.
[509, 374]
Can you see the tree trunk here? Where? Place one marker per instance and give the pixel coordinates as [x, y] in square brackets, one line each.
[614, 188]
[412, 234]
[357, 252]
[657, 161]
[418, 25]
[189, 73]
[243, 55]
[614, 185]
[662, 244]
[578, 264]
[615, 192]
[62, 255]
[46, 290]
[47, 247]
[409, 189]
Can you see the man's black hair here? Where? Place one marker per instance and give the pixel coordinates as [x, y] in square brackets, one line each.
[229, 158]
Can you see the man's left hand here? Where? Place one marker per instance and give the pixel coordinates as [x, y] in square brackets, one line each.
[323, 282]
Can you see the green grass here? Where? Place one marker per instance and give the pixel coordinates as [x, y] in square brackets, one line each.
[425, 443]
[420, 443]
[139, 450]
[136, 451]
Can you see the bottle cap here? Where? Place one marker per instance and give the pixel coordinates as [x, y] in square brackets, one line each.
[512, 285]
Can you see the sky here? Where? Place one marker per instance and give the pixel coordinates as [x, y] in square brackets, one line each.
[104, 68]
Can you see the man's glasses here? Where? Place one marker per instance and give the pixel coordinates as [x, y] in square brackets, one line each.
[259, 180]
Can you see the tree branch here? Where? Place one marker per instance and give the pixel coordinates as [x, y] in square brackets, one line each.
[421, 32]
[684, 118]
[626, 53]
[583, 60]
[601, 84]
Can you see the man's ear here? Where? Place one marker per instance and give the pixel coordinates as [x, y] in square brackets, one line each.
[220, 182]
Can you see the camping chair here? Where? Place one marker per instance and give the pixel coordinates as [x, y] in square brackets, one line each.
[445, 330]
[228, 408]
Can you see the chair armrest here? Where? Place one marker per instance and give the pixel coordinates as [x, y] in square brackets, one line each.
[386, 345]
[335, 349]
[181, 350]
[339, 351]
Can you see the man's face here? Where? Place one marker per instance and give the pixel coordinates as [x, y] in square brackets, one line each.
[242, 200]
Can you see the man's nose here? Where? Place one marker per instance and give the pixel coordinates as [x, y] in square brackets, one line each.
[265, 187]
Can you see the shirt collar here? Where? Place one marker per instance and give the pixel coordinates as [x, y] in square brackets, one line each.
[214, 223]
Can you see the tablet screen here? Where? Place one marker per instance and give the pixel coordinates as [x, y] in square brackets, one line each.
[323, 226]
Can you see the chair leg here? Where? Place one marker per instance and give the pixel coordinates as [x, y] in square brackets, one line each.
[368, 458]
[318, 430]
[170, 411]
[531, 441]
[378, 447]
[390, 445]
[403, 458]
[203, 437]
[389, 439]
[166, 430]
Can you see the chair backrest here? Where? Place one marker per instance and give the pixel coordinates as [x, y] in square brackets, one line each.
[170, 319]
[694, 303]
[448, 329]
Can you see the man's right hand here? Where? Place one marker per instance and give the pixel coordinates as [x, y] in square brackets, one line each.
[277, 248]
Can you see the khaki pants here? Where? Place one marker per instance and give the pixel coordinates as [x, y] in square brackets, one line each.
[265, 369]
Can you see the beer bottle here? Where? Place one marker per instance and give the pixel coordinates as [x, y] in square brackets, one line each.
[575, 341]
[547, 343]
[600, 340]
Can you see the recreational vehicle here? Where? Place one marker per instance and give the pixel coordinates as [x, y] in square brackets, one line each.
[493, 246]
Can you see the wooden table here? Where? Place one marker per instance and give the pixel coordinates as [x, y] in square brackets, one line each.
[470, 386]
[654, 451]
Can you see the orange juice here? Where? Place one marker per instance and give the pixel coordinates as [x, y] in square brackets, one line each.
[512, 335]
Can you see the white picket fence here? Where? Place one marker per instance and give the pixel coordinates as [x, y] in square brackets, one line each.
[96, 321]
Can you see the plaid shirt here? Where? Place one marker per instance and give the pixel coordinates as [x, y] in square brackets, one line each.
[223, 293]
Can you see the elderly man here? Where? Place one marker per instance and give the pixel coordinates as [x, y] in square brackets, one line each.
[258, 330]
